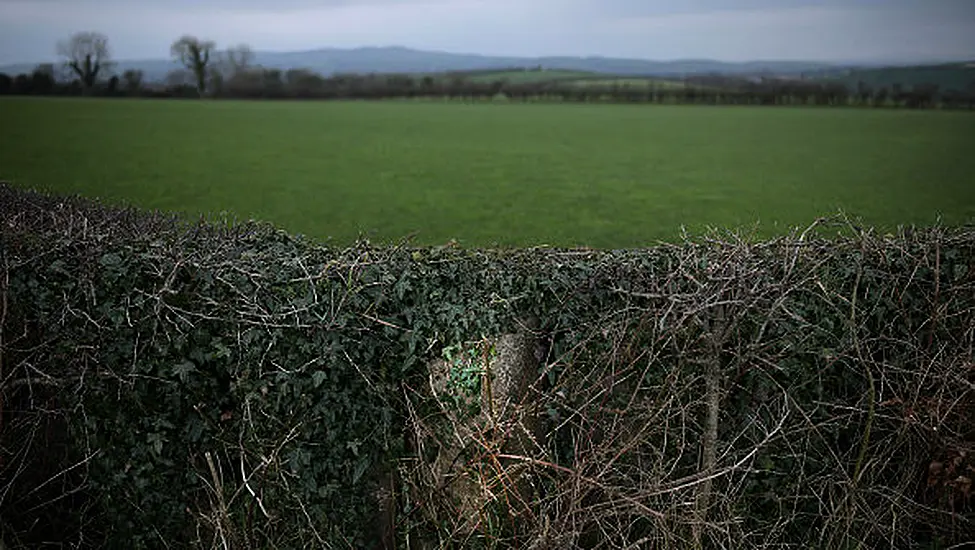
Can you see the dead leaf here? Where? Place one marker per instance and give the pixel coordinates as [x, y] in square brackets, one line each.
[964, 484]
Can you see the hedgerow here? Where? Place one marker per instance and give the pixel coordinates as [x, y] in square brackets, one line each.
[216, 384]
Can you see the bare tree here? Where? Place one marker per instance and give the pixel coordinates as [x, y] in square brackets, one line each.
[194, 54]
[230, 67]
[87, 55]
[239, 58]
[179, 77]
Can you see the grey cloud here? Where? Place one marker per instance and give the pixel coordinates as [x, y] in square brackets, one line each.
[614, 8]
[209, 5]
[645, 8]
[662, 29]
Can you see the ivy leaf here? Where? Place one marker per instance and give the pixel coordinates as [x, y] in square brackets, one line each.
[360, 468]
[156, 441]
[184, 369]
[318, 377]
[110, 260]
[196, 430]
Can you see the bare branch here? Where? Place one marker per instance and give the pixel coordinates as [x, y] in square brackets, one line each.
[87, 55]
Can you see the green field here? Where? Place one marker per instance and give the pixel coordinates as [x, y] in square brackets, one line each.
[509, 174]
[529, 76]
[629, 82]
[574, 78]
[949, 76]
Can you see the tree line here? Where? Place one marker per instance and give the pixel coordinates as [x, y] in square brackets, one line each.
[231, 73]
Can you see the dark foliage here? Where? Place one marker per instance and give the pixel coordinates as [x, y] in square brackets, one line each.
[258, 83]
[218, 384]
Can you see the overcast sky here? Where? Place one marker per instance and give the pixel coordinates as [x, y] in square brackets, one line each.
[731, 30]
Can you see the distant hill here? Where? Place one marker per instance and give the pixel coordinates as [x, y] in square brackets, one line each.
[405, 60]
[948, 76]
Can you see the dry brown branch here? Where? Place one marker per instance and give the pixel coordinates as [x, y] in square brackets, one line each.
[715, 394]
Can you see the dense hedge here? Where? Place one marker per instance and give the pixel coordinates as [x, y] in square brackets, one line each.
[260, 83]
[214, 384]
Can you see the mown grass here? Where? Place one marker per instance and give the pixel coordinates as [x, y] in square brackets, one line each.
[508, 174]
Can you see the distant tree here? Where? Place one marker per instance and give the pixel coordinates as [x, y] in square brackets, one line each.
[969, 95]
[21, 85]
[46, 69]
[179, 77]
[925, 94]
[239, 58]
[6, 82]
[897, 95]
[241, 84]
[864, 93]
[194, 54]
[226, 66]
[953, 99]
[75, 87]
[257, 82]
[457, 83]
[87, 55]
[180, 83]
[113, 86]
[42, 79]
[272, 83]
[400, 85]
[304, 83]
[132, 81]
[880, 97]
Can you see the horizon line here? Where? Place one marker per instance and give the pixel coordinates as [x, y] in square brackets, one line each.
[893, 59]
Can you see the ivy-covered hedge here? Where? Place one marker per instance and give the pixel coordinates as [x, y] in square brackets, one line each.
[229, 385]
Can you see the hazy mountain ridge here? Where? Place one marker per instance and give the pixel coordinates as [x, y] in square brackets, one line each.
[405, 60]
